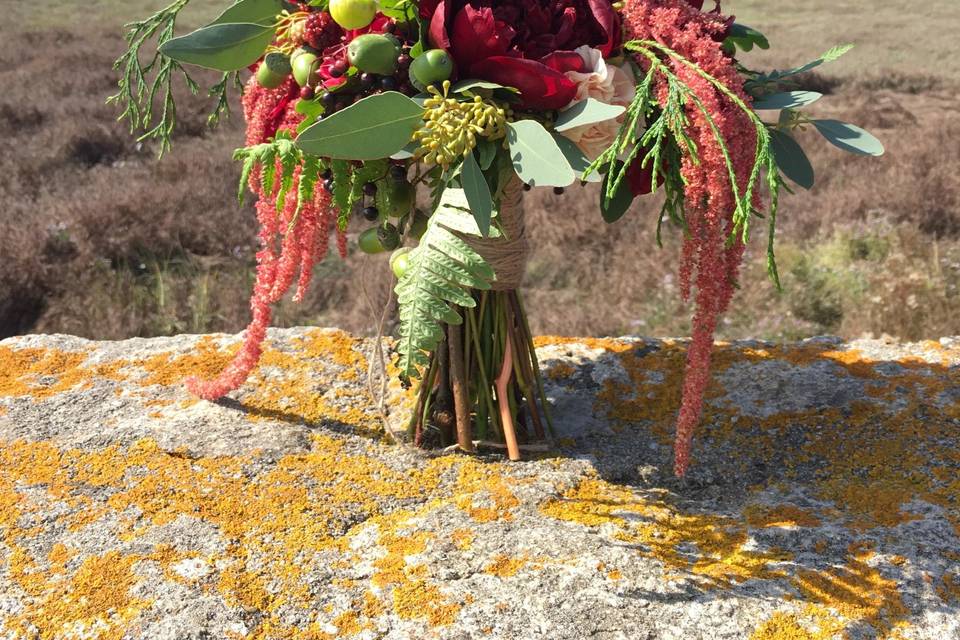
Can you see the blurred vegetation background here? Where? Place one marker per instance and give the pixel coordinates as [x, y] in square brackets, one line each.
[100, 239]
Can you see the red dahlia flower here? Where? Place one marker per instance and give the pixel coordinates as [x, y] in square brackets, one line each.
[524, 44]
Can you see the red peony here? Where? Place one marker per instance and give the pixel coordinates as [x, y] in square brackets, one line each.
[524, 44]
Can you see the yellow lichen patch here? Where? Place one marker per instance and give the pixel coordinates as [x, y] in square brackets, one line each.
[285, 387]
[785, 515]
[782, 626]
[95, 600]
[205, 360]
[278, 521]
[418, 599]
[665, 532]
[484, 494]
[39, 373]
[607, 344]
[504, 566]
[858, 592]
[462, 539]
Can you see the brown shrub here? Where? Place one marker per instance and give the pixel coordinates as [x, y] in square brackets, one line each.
[100, 239]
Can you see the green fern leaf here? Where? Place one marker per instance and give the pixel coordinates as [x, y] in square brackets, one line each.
[442, 271]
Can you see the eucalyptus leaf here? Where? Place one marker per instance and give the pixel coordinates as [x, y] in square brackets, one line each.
[831, 55]
[486, 152]
[224, 47]
[263, 12]
[786, 100]
[467, 85]
[377, 126]
[405, 153]
[621, 200]
[849, 137]
[746, 37]
[577, 159]
[791, 159]
[536, 157]
[477, 191]
[586, 111]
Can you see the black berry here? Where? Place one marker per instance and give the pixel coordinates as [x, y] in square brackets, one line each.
[370, 189]
[371, 213]
[558, 191]
[398, 172]
[388, 83]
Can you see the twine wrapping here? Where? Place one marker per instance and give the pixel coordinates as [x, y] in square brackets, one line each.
[506, 255]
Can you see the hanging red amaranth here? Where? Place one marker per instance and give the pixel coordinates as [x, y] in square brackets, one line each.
[285, 252]
[707, 260]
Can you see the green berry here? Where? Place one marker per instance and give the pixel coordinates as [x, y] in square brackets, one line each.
[400, 262]
[369, 242]
[434, 65]
[374, 53]
[305, 68]
[353, 14]
[273, 70]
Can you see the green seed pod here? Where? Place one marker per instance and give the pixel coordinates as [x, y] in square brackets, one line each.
[434, 65]
[369, 242]
[374, 53]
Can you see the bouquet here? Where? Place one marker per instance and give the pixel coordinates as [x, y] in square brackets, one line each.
[353, 106]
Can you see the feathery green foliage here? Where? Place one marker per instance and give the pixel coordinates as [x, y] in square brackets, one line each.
[137, 90]
[442, 270]
[665, 141]
[280, 153]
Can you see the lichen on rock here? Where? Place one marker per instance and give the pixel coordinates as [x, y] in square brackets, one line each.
[823, 501]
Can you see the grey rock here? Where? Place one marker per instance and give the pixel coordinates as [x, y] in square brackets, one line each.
[823, 490]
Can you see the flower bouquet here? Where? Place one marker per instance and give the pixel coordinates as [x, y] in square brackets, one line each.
[355, 105]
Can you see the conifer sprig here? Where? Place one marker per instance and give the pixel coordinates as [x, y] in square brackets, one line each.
[137, 90]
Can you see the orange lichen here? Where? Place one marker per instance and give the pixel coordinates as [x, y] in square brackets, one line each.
[722, 558]
[785, 515]
[858, 592]
[418, 599]
[504, 566]
[462, 539]
[782, 626]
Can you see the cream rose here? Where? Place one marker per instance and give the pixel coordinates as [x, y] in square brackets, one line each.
[606, 83]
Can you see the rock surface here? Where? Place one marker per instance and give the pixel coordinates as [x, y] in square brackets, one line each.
[824, 500]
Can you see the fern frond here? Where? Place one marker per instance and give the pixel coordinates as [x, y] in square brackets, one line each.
[442, 271]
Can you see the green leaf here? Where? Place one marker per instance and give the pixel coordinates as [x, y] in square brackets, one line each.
[263, 12]
[849, 137]
[375, 127]
[746, 37]
[486, 151]
[786, 100]
[536, 157]
[577, 159]
[477, 191]
[224, 47]
[829, 56]
[442, 271]
[468, 85]
[586, 112]
[621, 200]
[791, 159]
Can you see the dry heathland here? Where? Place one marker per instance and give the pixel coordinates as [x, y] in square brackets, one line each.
[100, 239]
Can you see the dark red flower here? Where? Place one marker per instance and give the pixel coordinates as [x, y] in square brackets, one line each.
[526, 44]
[640, 178]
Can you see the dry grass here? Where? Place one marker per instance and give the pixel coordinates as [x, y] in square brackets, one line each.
[99, 239]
